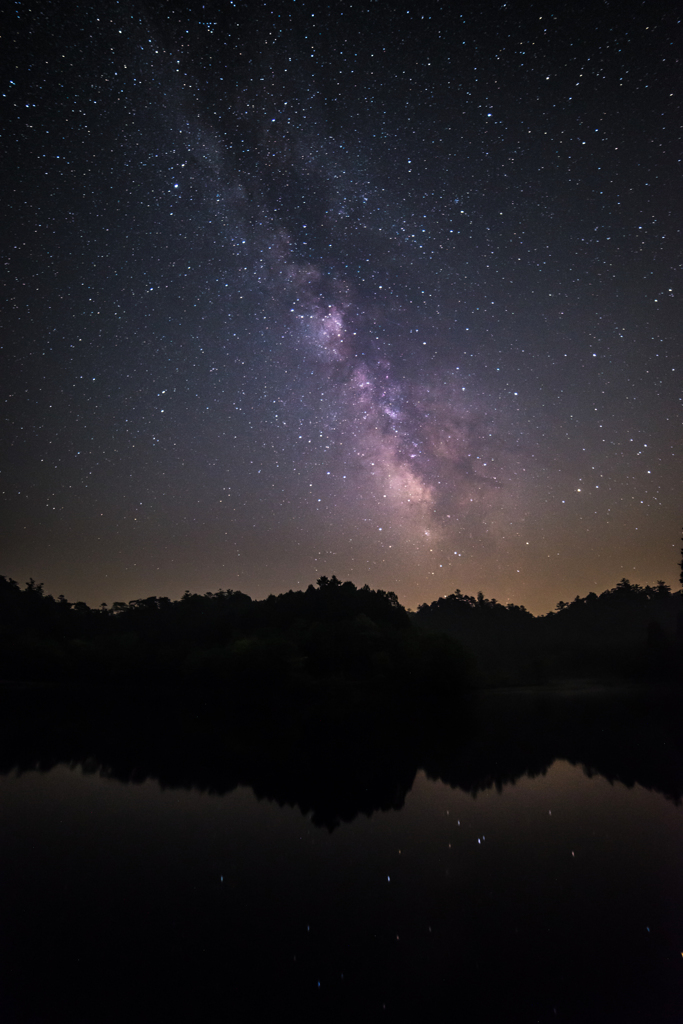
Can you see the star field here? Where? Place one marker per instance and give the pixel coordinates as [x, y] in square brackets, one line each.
[383, 291]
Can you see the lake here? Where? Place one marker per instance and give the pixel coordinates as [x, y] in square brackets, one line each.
[478, 894]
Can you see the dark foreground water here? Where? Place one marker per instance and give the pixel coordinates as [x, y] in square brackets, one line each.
[551, 898]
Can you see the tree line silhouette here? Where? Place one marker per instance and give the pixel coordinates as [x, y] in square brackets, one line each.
[339, 632]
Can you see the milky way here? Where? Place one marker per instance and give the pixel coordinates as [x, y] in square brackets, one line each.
[300, 289]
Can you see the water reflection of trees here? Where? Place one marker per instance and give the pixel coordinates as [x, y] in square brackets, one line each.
[337, 766]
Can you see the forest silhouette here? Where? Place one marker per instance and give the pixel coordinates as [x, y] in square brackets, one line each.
[336, 632]
[332, 698]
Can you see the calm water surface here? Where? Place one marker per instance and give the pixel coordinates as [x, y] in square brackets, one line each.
[558, 899]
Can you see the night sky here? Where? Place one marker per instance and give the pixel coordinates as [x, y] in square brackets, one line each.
[382, 290]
